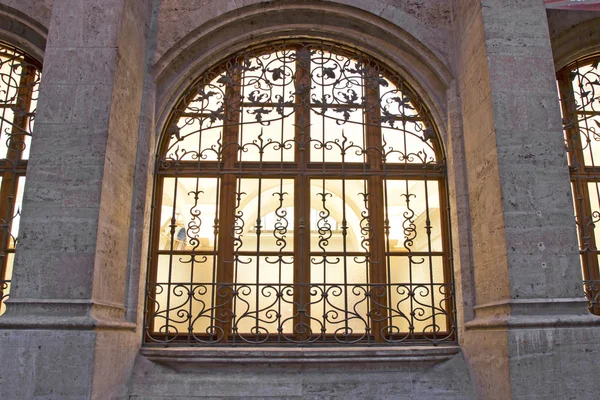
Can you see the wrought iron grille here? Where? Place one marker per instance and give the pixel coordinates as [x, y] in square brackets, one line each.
[579, 87]
[300, 197]
[19, 78]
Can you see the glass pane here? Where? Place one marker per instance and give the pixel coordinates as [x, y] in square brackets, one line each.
[269, 77]
[592, 220]
[586, 88]
[273, 136]
[335, 133]
[339, 300]
[406, 138]
[267, 86]
[197, 134]
[406, 145]
[575, 212]
[196, 141]
[397, 103]
[413, 211]
[6, 126]
[589, 128]
[262, 308]
[10, 76]
[336, 80]
[339, 212]
[259, 198]
[208, 99]
[184, 294]
[267, 127]
[419, 298]
[31, 120]
[14, 99]
[16, 220]
[190, 223]
[338, 282]
[182, 268]
[4, 284]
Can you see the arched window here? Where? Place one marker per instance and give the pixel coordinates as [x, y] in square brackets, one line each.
[579, 86]
[19, 78]
[300, 197]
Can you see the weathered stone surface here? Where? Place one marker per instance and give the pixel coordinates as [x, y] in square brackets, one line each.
[113, 69]
[46, 364]
[352, 26]
[524, 246]
[428, 21]
[40, 10]
[71, 278]
[574, 35]
[331, 377]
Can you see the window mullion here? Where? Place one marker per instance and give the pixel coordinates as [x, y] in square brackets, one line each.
[377, 258]
[224, 287]
[302, 197]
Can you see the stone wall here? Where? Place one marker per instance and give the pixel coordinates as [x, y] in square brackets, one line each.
[113, 69]
[66, 326]
[362, 373]
[574, 34]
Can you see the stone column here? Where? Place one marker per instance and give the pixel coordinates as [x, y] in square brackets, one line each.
[531, 336]
[65, 334]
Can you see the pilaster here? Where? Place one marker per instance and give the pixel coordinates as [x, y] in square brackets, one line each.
[529, 303]
[66, 320]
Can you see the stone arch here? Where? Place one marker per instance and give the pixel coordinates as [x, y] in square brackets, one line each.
[23, 31]
[248, 26]
[574, 43]
[175, 161]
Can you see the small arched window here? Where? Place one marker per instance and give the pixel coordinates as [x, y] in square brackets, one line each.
[579, 87]
[19, 78]
[300, 197]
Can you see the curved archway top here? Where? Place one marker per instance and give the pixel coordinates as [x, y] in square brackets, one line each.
[576, 42]
[211, 42]
[24, 31]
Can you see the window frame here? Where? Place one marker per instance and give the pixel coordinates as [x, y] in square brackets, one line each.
[581, 175]
[13, 167]
[229, 166]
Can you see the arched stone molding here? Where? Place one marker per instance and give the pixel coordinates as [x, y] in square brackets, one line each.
[429, 21]
[428, 74]
[209, 43]
[579, 41]
[23, 31]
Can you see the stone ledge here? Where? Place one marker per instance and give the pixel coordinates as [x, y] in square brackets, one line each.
[533, 322]
[182, 357]
[536, 313]
[64, 314]
[534, 306]
[85, 323]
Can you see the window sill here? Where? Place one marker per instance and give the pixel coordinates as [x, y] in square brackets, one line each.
[185, 357]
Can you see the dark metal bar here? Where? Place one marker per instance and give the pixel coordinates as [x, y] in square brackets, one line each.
[301, 191]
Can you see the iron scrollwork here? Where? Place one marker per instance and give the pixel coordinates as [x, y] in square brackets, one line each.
[579, 86]
[19, 81]
[300, 200]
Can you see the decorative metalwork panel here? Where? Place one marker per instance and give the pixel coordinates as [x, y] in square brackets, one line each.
[19, 79]
[579, 86]
[300, 197]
